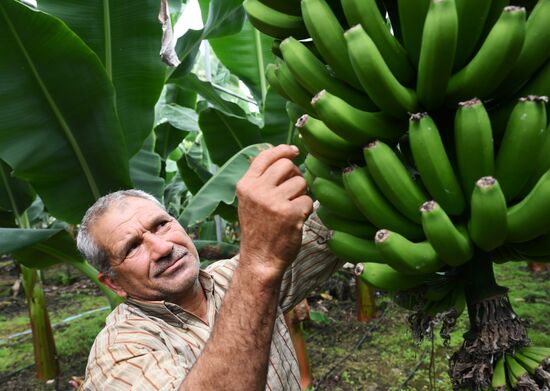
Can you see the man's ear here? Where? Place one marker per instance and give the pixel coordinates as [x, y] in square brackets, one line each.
[110, 282]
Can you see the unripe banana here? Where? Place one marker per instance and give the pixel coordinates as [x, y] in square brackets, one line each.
[437, 53]
[293, 111]
[538, 247]
[335, 198]
[542, 161]
[386, 278]
[353, 249]
[309, 178]
[314, 76]
[273, 80]
[451, 244]
[412, 14]
[515, 371]
[488, 216]
[432, 162]
[498, 381]
[274, 23]
[534, 52]
[529, 218]
[375, 76]
[495, 10]
[492, 62]
[323, 143]
[366, 13]
[320, 169]
[374, 206]
[332, 220]
[405, 256]
[292, 89]
[472, 15]
[291, 7]
[473, 143]
[328, 37]
[528, 363]
[394, 180]
[523, 137]
[355, 125]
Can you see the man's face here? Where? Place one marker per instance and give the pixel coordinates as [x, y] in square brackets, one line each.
[151, 254]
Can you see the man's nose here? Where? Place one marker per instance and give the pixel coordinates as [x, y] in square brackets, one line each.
[158, 246]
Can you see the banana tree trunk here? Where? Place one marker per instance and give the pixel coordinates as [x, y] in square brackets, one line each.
[47, 366]
[366, 304]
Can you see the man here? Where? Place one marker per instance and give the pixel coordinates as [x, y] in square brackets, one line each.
[182, 328]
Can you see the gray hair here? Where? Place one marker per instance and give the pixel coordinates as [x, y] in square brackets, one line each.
[90, 249]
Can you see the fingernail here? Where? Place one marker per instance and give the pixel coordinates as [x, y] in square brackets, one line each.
[295, 148]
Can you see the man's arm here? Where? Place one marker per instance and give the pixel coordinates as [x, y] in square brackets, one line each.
[273, 206]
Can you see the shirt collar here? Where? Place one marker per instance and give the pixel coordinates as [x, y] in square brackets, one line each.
[168, 311]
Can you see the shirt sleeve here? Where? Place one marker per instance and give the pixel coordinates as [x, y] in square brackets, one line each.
[314, 264]
[136, 361]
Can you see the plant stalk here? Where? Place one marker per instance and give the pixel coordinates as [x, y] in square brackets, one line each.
[91, 272]
[366, 303]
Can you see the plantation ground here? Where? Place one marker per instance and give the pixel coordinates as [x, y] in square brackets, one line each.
[344, 353]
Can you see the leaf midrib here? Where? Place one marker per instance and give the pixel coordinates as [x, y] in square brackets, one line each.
[57, 112]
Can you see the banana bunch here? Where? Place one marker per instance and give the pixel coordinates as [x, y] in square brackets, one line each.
[527, 369]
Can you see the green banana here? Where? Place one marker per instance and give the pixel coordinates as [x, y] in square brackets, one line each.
[538, 247]
[375, 76]
[335, 222]
[432, 162]
[488, 216]
[405, 256]
[394, 180]
[367, 14]
[335, 198]
[437, 53]
[498, 381]
[355, 125]
[309, 178]
[515, 371]
[437, 290]
[291, 7]
[451, 244]
[314, 76]
[353, 249]
[292, 89]
[274, 23]
[534, 52]
[323, 143]
[412, 14]
[482, 75]
[384, 277]
[365, 195]
[529, 218]
[543, 161]
[473, 143]
[293, 111]
[526, 362]
[320, 169]
[495, 10]
[472, 15]
[328, 37]
[542, 351]
[523, 137]
[273, 80]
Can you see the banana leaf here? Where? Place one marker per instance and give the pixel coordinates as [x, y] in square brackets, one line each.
[245, 54]
[225, 135]
[15, 195]
[221, 187]
[60, 130]
[126, 37]
[145, 170]
[17, 239]
[276, 129]
[223, 17]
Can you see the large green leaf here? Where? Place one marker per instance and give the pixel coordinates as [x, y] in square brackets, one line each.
[224, 17]
[245, 55]
[220, 188]
[16, 239]
[59, 128]
[277, 128]
[15, 195]
[145, 170]
[126, 36]
[205, 89]
[226, 135]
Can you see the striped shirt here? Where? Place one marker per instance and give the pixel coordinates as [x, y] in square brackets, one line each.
[152, 345]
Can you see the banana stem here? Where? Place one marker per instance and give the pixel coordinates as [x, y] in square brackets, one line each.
[366, 303]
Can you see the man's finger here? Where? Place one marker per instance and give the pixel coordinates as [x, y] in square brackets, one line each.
[268, 157]
[292, 187]
[280, 171]
[304, 203]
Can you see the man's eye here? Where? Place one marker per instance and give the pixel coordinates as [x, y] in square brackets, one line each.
[162, 224]
[132, 249]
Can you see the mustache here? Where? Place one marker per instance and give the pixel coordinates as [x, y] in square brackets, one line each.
[168, 260]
